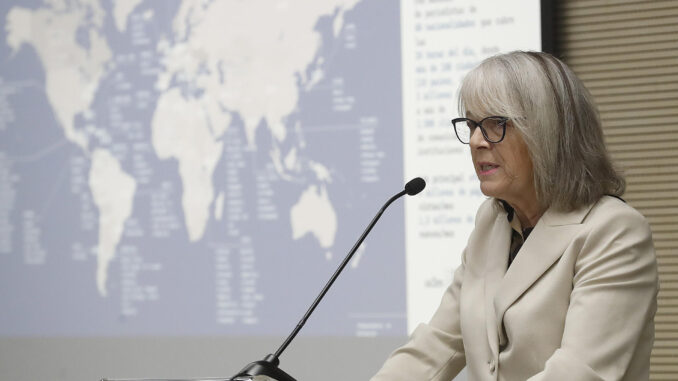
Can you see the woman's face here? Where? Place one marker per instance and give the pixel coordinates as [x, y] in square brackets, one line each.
[505, 168]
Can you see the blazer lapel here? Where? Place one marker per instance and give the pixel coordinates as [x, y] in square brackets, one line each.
[495, 268]
[547, 242]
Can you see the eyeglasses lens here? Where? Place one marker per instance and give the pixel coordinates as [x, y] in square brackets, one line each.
[494, 128]
[464, 129]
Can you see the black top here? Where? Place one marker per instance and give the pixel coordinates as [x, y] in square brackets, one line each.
[517, 238]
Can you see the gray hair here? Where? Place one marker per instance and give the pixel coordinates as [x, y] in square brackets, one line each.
[556, 117]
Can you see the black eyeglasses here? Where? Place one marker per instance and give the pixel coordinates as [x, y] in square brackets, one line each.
[492, 127]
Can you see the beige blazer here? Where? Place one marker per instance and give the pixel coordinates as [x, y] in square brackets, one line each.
[578, 303]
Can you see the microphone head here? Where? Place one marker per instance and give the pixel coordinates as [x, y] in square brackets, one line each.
[415, 186]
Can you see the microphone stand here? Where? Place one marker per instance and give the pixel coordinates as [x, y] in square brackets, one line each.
[269, 365]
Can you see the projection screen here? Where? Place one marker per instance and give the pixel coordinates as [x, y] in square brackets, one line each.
[180, 179]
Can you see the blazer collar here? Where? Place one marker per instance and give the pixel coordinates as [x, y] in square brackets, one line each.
[547, 242]
[495, 268]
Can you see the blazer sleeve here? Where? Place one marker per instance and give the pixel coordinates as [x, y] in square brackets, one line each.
[612, 303]
[435, 351]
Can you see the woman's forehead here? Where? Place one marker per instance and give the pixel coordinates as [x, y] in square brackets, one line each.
[478, 104]
[479, 114]
[486, 92]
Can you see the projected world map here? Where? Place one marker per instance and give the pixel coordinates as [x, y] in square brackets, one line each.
[198, 167]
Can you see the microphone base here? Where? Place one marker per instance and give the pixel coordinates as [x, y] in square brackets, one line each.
[267, 367]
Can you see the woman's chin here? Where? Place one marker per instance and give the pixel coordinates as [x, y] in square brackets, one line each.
[487, 190]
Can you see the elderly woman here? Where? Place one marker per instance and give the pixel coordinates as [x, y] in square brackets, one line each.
[559, 277]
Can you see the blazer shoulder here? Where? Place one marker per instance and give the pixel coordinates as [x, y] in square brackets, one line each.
[613, 227]
[615, 243]
[613, 212]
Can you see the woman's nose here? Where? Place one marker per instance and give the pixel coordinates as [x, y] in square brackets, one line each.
[478, 140]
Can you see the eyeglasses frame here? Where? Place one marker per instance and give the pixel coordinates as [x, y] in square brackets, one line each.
[504, 121]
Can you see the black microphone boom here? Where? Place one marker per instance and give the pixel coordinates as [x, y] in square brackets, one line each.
[269, 365]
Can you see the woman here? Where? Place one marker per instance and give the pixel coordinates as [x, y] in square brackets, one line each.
[559, 278]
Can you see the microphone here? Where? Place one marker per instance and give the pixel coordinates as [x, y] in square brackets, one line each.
[415, 186]
[269, 365]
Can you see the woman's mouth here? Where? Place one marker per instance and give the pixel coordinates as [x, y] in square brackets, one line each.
[487, 168]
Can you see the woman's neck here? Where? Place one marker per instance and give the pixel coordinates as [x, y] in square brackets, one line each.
[528, 214]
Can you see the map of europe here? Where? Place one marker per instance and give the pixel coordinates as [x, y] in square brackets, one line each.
[199, 167]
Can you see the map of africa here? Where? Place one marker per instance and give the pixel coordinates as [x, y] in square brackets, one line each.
[199, 167]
